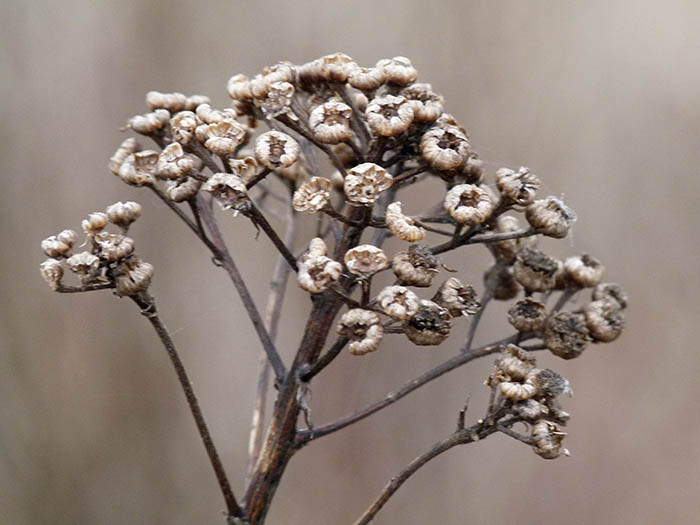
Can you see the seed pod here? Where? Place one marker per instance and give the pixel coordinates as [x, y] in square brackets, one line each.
[260, 84]
[316, 271]
[126, 148]
[550, 217]
[183, 126]
[113, 247]
[123, 214]
[583, 270]
[238, 88]
[58, 246]
[612, 291]
[183, 189]
[505, 251]
[566, 334]
[52, 272]
[398, 302]
[389, 116]
[457, 298]
[556, 413]
[365, 260]
[398, 70]
[472, 172]
[604, 319]
[499, 278]
[132, 276]
[223, 137]
[527, 315]
[330, 122]
[547, 438]
[536, 270]
[278, 100]
[363, 328]
[150, 123]
[95, 223]
[246, 168]
[519, 391]
[367, 78]
[227, 188]
[551, 384]
[415, 267]
[365, 182]
[445, 148]
[530, 410]
[330, 68]
[518, 187]
[514, 364]
[427, 106]
[139, 169]
[402, 226]
[469, 204]
[430, 325]
[173, 102]
[313, 195]
[206, 114]
[174, 163]
[85, 264]
[193, 101]
[276, 150]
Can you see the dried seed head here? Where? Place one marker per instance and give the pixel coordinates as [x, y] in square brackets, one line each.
[547, 438]
[469, 204]
[123, 214]
[238, 88]
[363, 328]
[457, 298]
[260, 84]
[113, 247]
[583, 270]
[132, 276]
[227, 188]
[246, 168]
[206, 114]
[150, 123]
[95, 223]
[427, 106]
[499, 278]
[445, 148]
[58, 246]
[472, 172]
[430, 325]
[52, 272]
[612, 291]
[505, 251]
[173, 102]
[365, 182]
[514, 364]
[604, 319]
[276, 150]
[316, 271]
[518, 187]
[551, 384]
[223, 137]
[530, 410]
[85, 264]
[278, 100]
[402, 226]
[196, 100]
[415, 267]
[365, 260]
[313, 195]
[330, 122]
[330, 68]
[139, 169]
[183, 189]
[398, 70]
[535, 270]
[566, 334]
[174, 163]
[550, 217]
[398, 302]
[183, 126]
[389, 116]
[520, 391]
[527, 315]
[367, 78]
[126, 148]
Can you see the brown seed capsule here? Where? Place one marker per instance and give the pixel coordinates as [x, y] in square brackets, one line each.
[52, 272]
[367, 78]
[520, 391]
[518, 187]
[457, 298]
[278, 100]
[126, 148]
[193, 101]
[85, 264]
[430, 325]
[95, 223]
[505, 251]
[206, 114]
[330, 68]
[535, 270]
[547, 438]
[398, 70]
[363, 328]
[227, 188]
[499, 278]
[551, 384]
[59, 246]
[316, 271]
[566, 334]
[527, 315]
[398, 302]
[365, 260]
[276, 150]
[173, 102]
[389, 116]
[183, 189]
[415, 267]
[530, 410]
[113, 247]
[427, 106]
[330, 122]
[469, 204]
[223, 137]
[246, 168]
[365, 182]
[514, 364]
[132, 276]
[139, 169]
[550, 217]
[445, 148]
[604, 319]
[174, 163]
[313, 195]
[402, 226]
[260, 84]
[583, 270]
[150, 123]
[123, 214]
[238, 88]
[183, 126]
[612, 291]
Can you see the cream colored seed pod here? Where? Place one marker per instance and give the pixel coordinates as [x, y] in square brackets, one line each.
[363, 328]
[126, 148]
[132, 276]
[238, 88]
[276, 150]
[316, 271]
[389, 116]
[85, 264]
[612, 291]
[469, 204]
[550, 217]
[547, 438]
[183, 189]
[58, 246]
[365, 182]
[330, 122]
[330, 68]
[223, 137]
[415, 267]
[402, 226]
[183, 126]
[445, 148]
[427, 106]
[430, 325]
[457, 298]
[530, 410]
[584, 270]
[505, 251]
[278, 100]
[67, 236]
[173, 102]
[604, 319]
[113, 247]
[227, 188]
[499, 278]
[206, 114]
[515, 363]
[193, 101]
[174, 163]
[139, 169]
[52, 272]
[527, 315]
[398, 70]
[122, 214]
[95, 223]
[260, 84]
[566, 334]
[518, 187]
[313, 195]
[398, 302]
[150, 123]
[520, 391]
[551, 384]
[246, 168]
[365, 260]
[367, 78]
[535, 270]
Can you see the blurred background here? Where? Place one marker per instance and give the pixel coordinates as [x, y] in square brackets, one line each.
[598, 98]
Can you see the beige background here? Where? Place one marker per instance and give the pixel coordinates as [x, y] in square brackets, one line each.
[598, 98]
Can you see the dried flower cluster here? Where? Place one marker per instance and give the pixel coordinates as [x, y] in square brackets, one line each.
[382, 132]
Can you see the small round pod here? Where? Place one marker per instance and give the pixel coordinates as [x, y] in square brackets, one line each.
[430, 325]
[365, 260]
[313, 195]
[183, 126]
[583, 270]
[550, 217]
[316, 271]
[530, 410]
[457, 298]
[472, 172]
[260, 83]
[547, 438]
[469, 204]
[505, 251]
[139, 169]
[52, 272]
[330, 122]
[535, 270]
[398, 70]
[527, 315]
[113, 247]
[59, 246]
[415, 267]
[520, 391]
[427, 106]
[183, 189]
[363, 328]
[173, 102]
[209, 115]
[150, 123]
[367, 78]
[95, 223]
[398, 302]
[566, 334]
[246, 168]
[445, 148]
[227, 188]
[127, 147]
[365, 182]
[174, 163]
[336, 67]
[604, 319]
[123, 214]
[402, 226]
[222, 137]
[276, 150]
[193, 101]
[389, 115]
[517, 187]
[278, 100]
[551, 384]
[85, 264]
[514, 363]
[611, 291]
[238, 88]
[132, 276]
[500, 280]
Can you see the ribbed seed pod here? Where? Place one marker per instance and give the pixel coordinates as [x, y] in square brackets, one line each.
[59, 246]
[398, 302]
[367, 78]
[518, 187]
[122, 214]
[499, 278]
[402, 226]
[126, 148]
[132, 276]
[139, 168]
[398, 70]
[583, 270]
[113, 247]
[612, 291]
[427, 106]
[316, 271]
[183, 189]
[445, 148]
[278, 100]
[260, 84]
[389, 116]
[173, 102]
[330, 122]
[52, 272]
[174, 163]
[365, 260]
[313, 195]
[227, 188]
[208, 115]
[365, 182]
[276, 150]
[183, 126]
[527, 315]
[469, 204]
[566, 334]
[457, 298]
[363, 328]
[535, 270]
[430, 325]
[604, 319]
[95, 223]
[415, 267]
[550, 217]
[150, 123]
[222, 137]
[547, 438]
[505, 251]
[84, 264]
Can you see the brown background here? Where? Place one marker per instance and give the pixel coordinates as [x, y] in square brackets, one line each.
[598, 98]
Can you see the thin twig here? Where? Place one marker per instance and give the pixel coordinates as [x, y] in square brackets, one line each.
[488, 295]
[63, 288]
[259, 219]
[324, 360]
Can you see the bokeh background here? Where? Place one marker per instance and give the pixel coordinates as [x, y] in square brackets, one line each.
[599, 98]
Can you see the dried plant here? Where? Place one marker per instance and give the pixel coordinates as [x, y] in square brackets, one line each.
[381, 132]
